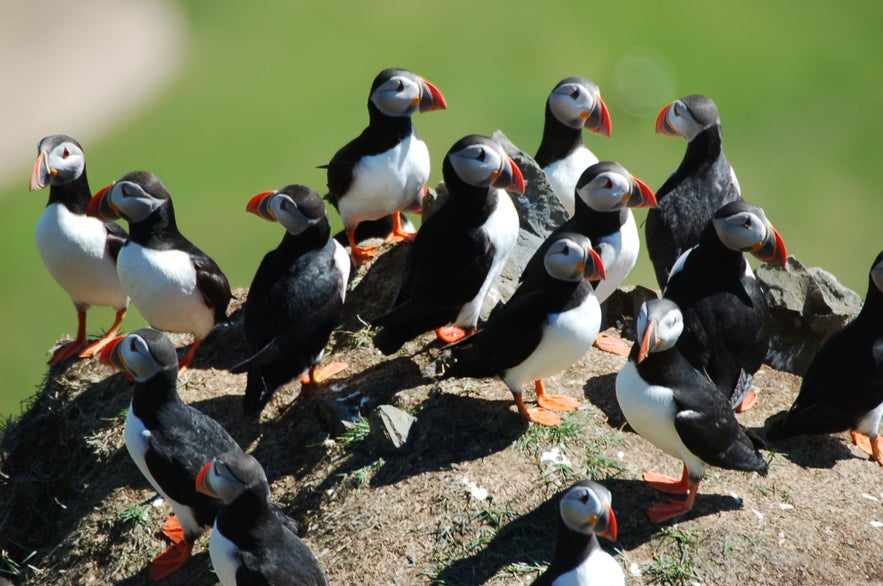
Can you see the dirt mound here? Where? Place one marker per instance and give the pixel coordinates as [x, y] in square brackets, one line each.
[470, 502]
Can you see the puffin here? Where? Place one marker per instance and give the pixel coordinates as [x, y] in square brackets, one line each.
[726, 314]
[843, 386]
[605, 194]
[175, 285]
[460, 250]
[250, 544]
[584, 512]
[541, 333]
[79, 252]
[678, 409]
[384, 170]
[702, 183]
[296, 296]
[168, 440]
[575, 103]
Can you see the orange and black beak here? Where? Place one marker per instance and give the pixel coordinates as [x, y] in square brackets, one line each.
[649, 341]
[430, 98]
[606, 525]
[594, 268]
[202, 485]
[598, 120]
[772, 250]
[510, 177]
[259, 205]
[663, 126]
[641, 196]
[111, 355]
[101, 207]
[41, 173]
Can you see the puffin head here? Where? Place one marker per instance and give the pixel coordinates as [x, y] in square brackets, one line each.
[229, 475]
[687, 117]
[607, 186]
[60, 160]
[481, 161]
[133, 197]
[399, 92]
[744, 226]
[143, 354]
[570, 257]
[586, 508]
[297, 207]
[659, 325]
[576, 102]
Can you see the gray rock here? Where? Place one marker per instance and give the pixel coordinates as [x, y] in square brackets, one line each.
[807, 305]
[390, 428]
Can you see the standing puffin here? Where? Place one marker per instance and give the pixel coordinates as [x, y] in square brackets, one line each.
[605, 193]
[460, 250]
[296, 297]
[168, 440]
[702, 183]
[575, 103]
[175, 286]
[80, 252]
[843, 386]
[584, 512]
[679, 410]
[384, 170]
[250, 544]
[726, 314]
[541, 333]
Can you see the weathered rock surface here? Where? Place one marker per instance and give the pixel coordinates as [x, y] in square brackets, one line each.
[390, 428]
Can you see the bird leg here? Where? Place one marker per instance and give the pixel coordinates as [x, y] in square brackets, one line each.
[451, 334]
[173, 530]
[540, 416]
[747, 403]
[76, 345]
[398, 233]
[872, 447]
[554, 402]
[667, 484]
[96, 346]
[169, 561]
[613, 345]
[188, 358]
[359, 254]
[669, 509]
[319, 374]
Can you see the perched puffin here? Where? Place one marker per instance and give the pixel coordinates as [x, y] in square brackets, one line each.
[843, 386]
[726, 314]
[679, 410]
[80, 252]
[702, 183]
[605, 193]
[175, 286]
[384, 170]
[575, 103]
[584, 512]
[541, 333]
[168, 440]
[249, 543]
[460, 250]
[296, 297]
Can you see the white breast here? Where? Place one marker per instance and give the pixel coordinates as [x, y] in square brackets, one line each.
[566, 338]
[225, 557]
[564, 174]
[385, 183]
[501, 228]
[650, 410]
[343, 263]
[599, 568]
[162, 285]
[625, 245]
[72, 247]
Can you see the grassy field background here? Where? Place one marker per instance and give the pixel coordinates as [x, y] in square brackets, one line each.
[270, 91]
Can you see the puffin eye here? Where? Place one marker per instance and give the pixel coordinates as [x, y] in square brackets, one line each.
[677, 109]
[400, 86]
[747, 222]
[65, 153]
[132, 345]
[482, 155]
[575, 93]
[608, 184]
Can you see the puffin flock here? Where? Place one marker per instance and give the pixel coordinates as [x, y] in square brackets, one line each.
[687, 374]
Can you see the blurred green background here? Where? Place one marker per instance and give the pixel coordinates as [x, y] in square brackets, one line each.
[268, 91]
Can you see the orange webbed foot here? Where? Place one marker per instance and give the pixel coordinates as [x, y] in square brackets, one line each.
[398, 233]
[665, 510]
[169, 561]
[173, 530]
[539, 416]
[555, 402]
[871, 446]
[612, 344]
[67, 351]
[747, 403]
[667, 484]
[451, 334]
[317, 375]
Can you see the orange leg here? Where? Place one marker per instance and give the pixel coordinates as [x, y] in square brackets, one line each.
[555, 402]
[173, 530]
[871, 446]
[316, 375]
[747, 403]
[169, 561]
[359, 254]
[613, 345]
[540, 416]
[96, 346]
[398, 234]
[72, 348]
[451, 334]
[668, 484]
[665, 510]
[188, 358]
